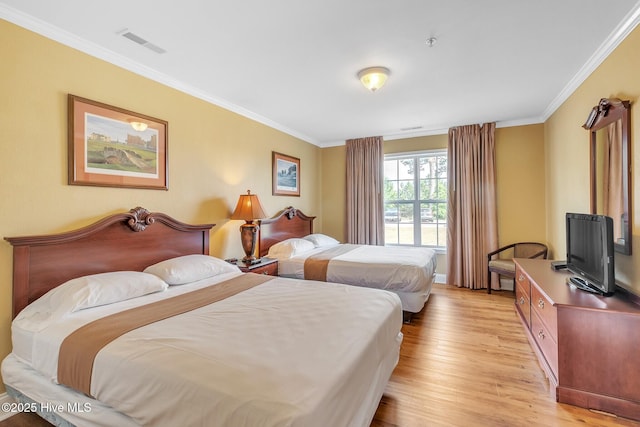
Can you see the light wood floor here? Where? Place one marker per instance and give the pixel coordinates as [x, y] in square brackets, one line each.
[465, 361]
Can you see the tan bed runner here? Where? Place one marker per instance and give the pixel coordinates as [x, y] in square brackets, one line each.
[315, 266]
[79, 349]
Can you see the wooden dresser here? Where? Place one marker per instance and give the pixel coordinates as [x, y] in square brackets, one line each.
[588, 345]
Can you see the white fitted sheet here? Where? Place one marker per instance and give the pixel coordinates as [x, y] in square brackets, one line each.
[288, 352]
[406, 271]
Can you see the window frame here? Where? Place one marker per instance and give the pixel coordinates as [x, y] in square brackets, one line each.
[416, 202]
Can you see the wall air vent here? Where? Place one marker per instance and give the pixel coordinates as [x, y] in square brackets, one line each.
[136, 38]
[411, 128]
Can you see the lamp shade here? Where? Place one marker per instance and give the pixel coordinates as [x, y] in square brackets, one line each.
[248, 208]
[373, 78]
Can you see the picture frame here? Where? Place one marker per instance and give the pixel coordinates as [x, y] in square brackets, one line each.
[286, 175]
[114, 147]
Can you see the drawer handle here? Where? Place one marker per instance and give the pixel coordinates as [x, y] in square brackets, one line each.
[541, 303]
[521, 300]
[520, 278]
[541, 334]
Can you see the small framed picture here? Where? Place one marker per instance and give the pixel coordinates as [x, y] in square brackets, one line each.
[113, 147]
[286, 175]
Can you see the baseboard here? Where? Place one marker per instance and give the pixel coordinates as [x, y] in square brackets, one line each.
[5, 398]
[505, 284]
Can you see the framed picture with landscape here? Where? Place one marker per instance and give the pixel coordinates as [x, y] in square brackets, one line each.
[113, 147]
[286, 175]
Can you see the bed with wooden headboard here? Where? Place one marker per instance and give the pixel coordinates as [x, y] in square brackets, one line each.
[217, 364]
[290, 223]
[407, 271]
[126, 241]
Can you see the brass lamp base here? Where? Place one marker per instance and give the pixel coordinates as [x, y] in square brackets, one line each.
[248, 233]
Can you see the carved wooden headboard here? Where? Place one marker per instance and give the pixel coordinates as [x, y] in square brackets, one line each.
[289, 223]
[126, 241]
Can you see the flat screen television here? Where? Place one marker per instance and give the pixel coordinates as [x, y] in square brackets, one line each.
[590, 252]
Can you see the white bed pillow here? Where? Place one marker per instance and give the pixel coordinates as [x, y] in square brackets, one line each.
[86, 292]
[104, 288]
[321, 240]
[190, 268]
[288, 248]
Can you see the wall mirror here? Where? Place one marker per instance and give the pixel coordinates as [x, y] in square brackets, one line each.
[610, 166]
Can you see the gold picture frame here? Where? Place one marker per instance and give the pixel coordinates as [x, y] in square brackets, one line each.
[114, 147]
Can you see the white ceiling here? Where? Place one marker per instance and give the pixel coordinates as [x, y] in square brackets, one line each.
[292, 64]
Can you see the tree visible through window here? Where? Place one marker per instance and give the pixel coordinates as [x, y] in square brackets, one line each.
[415, 199]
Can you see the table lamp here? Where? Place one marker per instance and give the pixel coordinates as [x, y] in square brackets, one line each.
[248, 209]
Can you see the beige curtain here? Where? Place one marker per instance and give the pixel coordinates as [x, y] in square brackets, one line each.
[612, 177]
[365, 161]
[471, 218]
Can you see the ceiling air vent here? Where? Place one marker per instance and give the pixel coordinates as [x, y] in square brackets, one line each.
[136, 38]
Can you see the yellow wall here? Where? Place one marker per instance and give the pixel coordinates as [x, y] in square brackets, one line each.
[334, 192]
[520, 183]
[567, 151]
[520, 189]
[214, 155]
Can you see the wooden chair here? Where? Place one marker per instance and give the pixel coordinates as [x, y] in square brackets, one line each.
[505, 266]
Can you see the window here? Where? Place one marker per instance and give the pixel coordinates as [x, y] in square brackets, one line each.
[415, 199]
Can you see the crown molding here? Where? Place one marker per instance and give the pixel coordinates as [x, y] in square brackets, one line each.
[71, 40]
[616, 37]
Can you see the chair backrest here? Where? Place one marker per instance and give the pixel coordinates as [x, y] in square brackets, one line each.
[530, 250]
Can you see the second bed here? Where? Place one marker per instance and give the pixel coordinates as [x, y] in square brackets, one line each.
[407, 271]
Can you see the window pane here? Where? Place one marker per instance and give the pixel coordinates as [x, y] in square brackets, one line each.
[406, 169]
[405, 234]
[426, 212]
[441, 166]
[406, 190]
[391, 213]
[391, 169]
[390, 190]
[429, 234]
[406, 213]
[391, 233]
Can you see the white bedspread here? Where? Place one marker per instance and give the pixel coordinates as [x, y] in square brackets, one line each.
[394, 268]
[286, 353]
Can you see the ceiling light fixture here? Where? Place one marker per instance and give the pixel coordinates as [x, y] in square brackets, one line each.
[373, 78]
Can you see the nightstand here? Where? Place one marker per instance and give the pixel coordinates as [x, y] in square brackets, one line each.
[267, 266]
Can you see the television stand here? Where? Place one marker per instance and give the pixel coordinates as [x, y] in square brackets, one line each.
[586, 344]
[584, 284]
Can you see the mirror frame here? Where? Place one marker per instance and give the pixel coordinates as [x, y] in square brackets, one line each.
[606, 112]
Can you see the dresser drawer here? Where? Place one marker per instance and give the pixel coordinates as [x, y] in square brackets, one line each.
[523, 304]
[545, 310]
[522, 281]
[546, 342]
